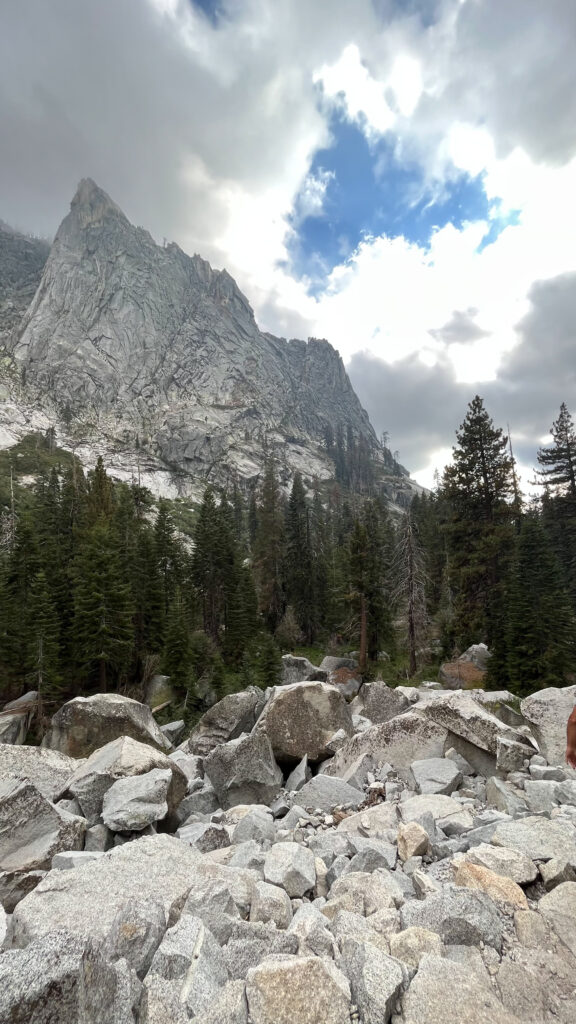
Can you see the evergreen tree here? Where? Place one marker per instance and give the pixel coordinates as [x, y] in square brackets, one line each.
[43, 648]
[410, 588]
[298, 574]
[542, 626]
[559, 459]
[269, 551]
[477, 489]
[177, 654]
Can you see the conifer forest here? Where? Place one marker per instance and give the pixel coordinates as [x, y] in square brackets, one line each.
[103, 586]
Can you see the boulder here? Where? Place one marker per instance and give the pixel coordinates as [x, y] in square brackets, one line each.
[48, 770]
[413, 841]
[380, 702]
[122, 758]
[70, 859]
[271, 903]
[131, 804]
[399, 742]
[251, 942]
[376, 980]
[475, 876]
[415, 807]
[547, 711]
[298, 670]
[136, 932]
[461, 917]
[412, 944]
[235, 714]
[84, 724]
[460, 675]
[243, 771]
[462, 715]
[300, 720]
[435, 775]
[326, 793]
[86, 901]
[173, 730]
[32, 829]
[344, 674]
[477, 654]
[292, 867]
[59, 978]
[559, 909]
[509, 863]
[190, 957]
[444, 992]
[537, 838]
[15, 718]
[298, 776]
[229, 1007]
[372, 821]
[15, 885]
[297, 990]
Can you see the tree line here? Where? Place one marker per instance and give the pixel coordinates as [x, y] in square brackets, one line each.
[99, 590]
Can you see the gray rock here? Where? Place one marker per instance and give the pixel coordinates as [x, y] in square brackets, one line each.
[204, 836]
[412, 944]
[372, 854]
[298, 776]
[357, 774]
[15, 885]
[344, 674]
[566, 792]
[439, 806]
[399, 742]
[189, 955]
[310, 927]
[135, 934]
[545, 772]
[16, 718]
[229, 1007]
[501, 794]
[300, 720]
[444, 992]
[132, 804]
[257, 824]
[547, 711]
[219, 888]
[250, 943]
[160, 1002]
[554, 872]
[98, 839]
[244, 771]
[122, 758]
[367, 893]
[298, 670]
[435, 775]
[32, 829]
[48, 770]
[173, 730]
[191, 764]
[86, 723]
[235, 714]
[248, 855]
[270, 903]
[292, 867]
[329, 845]
[511, 754]
[74, 859]
[537, 838]
[380, 702]
[58, 978]
[461, 763]
[541, 797]
[463, 716]
[279, 992]
[509, 863]
[202, 801]
[372, 821]
[459, 916]
[85, 901]
[559, 909]
[326, 793]
[376, 980]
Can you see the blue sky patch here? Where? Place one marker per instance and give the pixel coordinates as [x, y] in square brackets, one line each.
[211, 8]
[373, 193]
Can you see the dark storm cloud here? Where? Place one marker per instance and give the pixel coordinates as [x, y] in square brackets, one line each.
[460, 328]
[423, 406]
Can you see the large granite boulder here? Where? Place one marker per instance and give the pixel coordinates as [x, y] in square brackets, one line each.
[444, 992]
[464, 716]
[547, 712]
[399, 742]
[344, 674]
[32, 829]
[120, 759]
[16, 716]
[297, 670]
[86, 723]
[86, 901]
[131, 804]
[298, 990]
[244, 771]
[380, 702]
[48, 770]
[59, 978]
[229, 718]
[301, 719]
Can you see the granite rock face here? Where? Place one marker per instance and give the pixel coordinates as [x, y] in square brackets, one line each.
[300, 720]
[172, 352]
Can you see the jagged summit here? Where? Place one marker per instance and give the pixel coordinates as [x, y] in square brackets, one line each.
[148, 347]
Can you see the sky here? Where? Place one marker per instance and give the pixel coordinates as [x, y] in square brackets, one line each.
[397, 176]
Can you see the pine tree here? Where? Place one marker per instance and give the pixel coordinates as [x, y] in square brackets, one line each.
[298, 572]
[559, 459]
[542, 625]
[269, 551]
[477, 489]
[43, 648]
[410, 588]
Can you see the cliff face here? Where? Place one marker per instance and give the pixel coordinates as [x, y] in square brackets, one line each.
[148, 342]
[22, 261]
